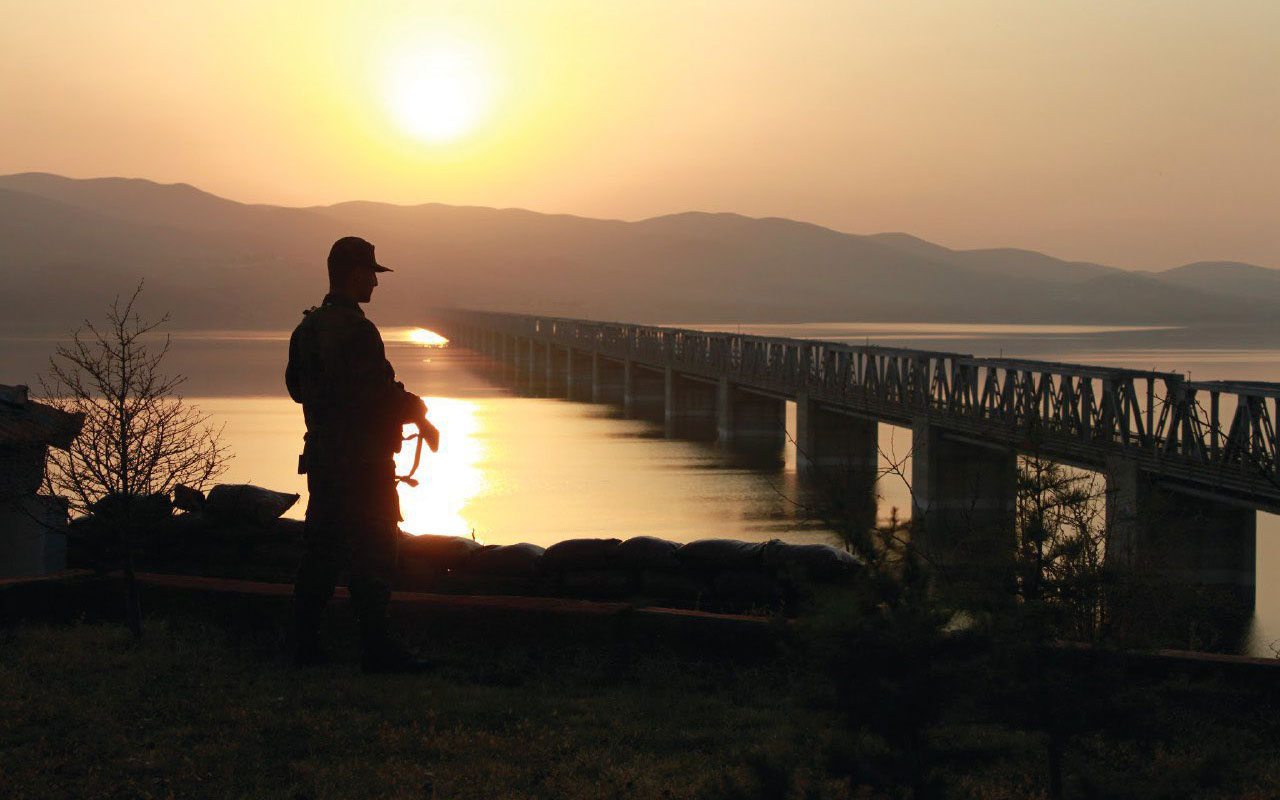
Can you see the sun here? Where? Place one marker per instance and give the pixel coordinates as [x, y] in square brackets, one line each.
[439, 91]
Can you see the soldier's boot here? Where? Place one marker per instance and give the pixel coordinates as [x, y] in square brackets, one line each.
[308, 650]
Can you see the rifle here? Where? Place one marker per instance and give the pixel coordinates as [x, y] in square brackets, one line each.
[428, 432]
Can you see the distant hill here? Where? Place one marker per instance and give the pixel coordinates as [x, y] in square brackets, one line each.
[70, 245]
[1001, 261]
[1228, 278]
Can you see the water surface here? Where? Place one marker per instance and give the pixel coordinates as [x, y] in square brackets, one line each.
[513, 469]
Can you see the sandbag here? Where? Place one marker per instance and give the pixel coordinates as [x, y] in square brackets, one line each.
[596, 583]
[187, 499]
[440, 552]
[648, 552]
[817, 562]
[289, 530]
[242, 502]
[713, 555]
[188, 527]
[511, 560]
[748, 587]
[473, 583]
[137, 510]
[578, 554]
[199, 527]
[673, 586]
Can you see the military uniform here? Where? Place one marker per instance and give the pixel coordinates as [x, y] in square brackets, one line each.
[354, 409]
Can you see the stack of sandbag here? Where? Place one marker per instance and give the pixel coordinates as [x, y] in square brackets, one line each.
[499, 569]
[586, 568]
[245, 504]
[236, 527]
[735, 571]
[658, 573]
[99, 539]
[236, 511]
[810, 563]
[714, 574]
[425, 559]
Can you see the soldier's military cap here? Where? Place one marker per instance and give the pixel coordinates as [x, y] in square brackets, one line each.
[353, 252]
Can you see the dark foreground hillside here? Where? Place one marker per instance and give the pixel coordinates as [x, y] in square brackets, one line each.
[203, 708]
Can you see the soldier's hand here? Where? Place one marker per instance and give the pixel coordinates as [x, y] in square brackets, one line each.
[429, 433]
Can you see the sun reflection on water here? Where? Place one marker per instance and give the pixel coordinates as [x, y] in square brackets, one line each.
[420, 336]
[448, 479]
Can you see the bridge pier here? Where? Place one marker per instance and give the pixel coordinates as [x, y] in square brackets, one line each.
[964, 497]
[538, 369]
[506, 360]
[690, 407]
[515, 363]
[749, 421]
[608, 380]
[839, 455]
[557, 371]
[580, 376]
[516, 354]
[645, 392]
[1193, 556]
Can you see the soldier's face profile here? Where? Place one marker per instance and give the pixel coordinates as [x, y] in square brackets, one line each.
[364, 281]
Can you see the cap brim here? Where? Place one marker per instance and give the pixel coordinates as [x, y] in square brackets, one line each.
[379, 268]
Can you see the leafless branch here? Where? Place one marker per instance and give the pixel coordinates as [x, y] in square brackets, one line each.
[139, 436]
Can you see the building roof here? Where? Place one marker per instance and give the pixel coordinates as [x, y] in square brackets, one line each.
[24, 421]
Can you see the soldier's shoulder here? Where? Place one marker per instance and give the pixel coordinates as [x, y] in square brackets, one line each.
[333, 316]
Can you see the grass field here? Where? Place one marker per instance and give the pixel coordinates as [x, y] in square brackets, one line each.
[195, 711]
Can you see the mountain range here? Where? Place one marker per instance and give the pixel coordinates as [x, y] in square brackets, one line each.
[70, 245]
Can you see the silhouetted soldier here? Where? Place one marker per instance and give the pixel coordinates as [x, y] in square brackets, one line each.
[354, 409]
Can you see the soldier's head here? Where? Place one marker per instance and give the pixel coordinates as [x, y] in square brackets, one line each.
[353, 271]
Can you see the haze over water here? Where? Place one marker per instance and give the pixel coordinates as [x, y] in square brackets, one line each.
[515, 469]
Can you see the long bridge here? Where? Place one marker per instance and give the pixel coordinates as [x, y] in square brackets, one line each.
[1198, 456]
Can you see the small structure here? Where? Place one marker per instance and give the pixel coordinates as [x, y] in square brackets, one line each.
[33, 539]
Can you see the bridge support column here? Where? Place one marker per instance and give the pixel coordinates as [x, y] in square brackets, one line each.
[559, 364]
[519, 364]
[749, 421]
[646, 393]
[537, 369]
[504, 359]
[628, 389]
[964, 497]
[724, 411]
[581, 376]
[515, 357]
[549, 365]
[690, 407]
[609, 381]
[1189, 560]
[839, 455]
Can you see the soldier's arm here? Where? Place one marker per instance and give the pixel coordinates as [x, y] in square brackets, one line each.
[293, 372]
[370, 382]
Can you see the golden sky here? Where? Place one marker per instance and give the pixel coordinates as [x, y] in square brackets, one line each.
[1139, 133]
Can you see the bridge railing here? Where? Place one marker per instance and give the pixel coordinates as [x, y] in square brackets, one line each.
[1086, 411]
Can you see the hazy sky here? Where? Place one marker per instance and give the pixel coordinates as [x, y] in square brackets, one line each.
[1139, 133]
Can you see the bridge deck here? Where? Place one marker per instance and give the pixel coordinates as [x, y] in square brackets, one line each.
[1218, 436]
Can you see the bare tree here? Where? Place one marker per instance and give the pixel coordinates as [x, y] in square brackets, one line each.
[139, 437]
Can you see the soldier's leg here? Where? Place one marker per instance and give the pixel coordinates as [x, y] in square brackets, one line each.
[323, 558]
[373, 561]
[372, 572]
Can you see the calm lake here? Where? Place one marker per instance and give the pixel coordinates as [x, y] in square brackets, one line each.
[513, 469]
